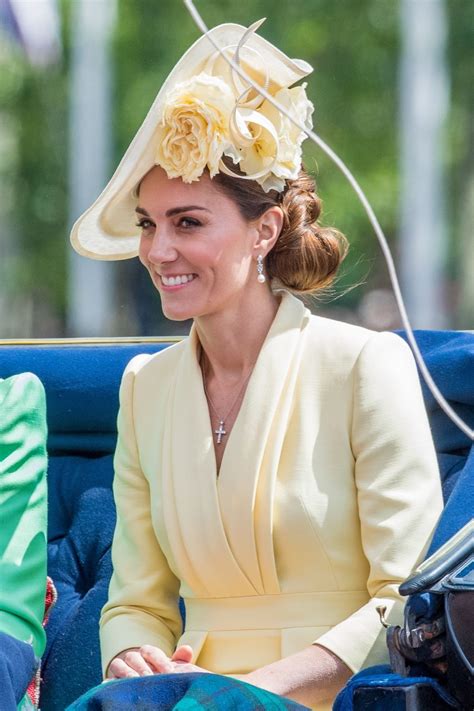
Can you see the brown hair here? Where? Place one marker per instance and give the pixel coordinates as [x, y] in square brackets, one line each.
[306, 255]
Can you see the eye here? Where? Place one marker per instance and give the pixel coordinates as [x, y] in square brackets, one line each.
[144, 223]
[188, 222]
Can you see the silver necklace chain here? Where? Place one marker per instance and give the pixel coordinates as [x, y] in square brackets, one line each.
[221, 431]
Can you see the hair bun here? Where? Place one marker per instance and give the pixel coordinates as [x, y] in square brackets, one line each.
[306, 256]
[300, 202]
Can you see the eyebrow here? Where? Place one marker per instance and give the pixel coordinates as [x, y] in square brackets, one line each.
[173, 210]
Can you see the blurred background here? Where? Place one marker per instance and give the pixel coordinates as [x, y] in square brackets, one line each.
[393, 90]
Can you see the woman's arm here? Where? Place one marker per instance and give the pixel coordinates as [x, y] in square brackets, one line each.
[143, 596]
[399, 500]
[23, 509]
[399, 493]
[312, 676]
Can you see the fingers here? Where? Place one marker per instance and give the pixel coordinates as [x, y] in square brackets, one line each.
[137, 663]
[157, 660]
[151, 660]
[142, 661]
[183, 654]
[119, 669]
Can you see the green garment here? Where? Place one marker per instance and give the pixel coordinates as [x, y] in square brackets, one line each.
[23, 509]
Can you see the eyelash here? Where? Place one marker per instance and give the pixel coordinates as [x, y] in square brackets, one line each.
[192, 222]
[144, 223]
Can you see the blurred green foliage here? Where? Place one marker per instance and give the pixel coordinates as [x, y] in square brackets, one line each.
[354, 48]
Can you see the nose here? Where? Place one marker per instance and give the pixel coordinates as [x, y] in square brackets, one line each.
[162, 249]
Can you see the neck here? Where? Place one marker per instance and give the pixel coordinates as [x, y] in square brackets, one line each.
[232, 338]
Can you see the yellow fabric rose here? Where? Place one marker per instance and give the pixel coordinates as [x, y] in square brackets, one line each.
[194, 130]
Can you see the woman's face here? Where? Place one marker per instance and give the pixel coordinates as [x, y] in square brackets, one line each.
[195, 244]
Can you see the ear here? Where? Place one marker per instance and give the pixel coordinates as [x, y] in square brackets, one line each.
[268, 227]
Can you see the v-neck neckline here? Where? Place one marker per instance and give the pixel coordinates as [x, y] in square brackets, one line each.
[209, 405]
[214, 518]
[286, 305]
[196, 346]
[218, 470]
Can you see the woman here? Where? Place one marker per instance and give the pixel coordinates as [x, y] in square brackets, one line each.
[273, 469]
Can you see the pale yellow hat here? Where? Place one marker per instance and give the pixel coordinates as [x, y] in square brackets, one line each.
[203, 94]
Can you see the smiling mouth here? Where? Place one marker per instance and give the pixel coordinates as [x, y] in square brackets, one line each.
[178, 280]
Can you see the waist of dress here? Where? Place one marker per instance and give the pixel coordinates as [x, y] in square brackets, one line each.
[277, 611]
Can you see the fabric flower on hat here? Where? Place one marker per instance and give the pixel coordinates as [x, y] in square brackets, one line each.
[194, 131]
[203, 121]
[279, 149]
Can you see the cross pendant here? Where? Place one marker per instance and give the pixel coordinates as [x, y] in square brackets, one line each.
[220, 432]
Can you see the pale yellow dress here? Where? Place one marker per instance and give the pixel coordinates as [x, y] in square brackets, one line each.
[327, 495]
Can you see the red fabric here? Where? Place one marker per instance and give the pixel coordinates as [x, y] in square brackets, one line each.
[49, 600]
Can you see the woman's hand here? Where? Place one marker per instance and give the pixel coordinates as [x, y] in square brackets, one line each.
[182, 658]
[139, 661]
[147, 660]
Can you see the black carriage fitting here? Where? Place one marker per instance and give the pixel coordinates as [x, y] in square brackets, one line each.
[417, 697]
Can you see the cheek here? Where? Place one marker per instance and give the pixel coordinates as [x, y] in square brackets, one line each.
[143, 249]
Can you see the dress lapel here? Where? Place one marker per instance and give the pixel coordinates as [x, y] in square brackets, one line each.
[191, 508]
[220, 531]
[252, 456]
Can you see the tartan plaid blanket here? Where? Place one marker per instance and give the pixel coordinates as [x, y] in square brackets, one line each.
[183, 692]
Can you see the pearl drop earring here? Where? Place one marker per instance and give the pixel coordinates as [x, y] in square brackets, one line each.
[261, 275]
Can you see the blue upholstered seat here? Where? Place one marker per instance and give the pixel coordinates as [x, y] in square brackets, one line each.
[82, 395]
[82, 384]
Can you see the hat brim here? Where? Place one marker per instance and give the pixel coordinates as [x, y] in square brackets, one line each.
[107, 230]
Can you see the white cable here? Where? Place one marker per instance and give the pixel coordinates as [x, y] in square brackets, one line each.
[442, 402]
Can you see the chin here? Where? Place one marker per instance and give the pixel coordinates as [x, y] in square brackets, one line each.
[191, 309]
[178, 317]
[175, 315]
[173, 312]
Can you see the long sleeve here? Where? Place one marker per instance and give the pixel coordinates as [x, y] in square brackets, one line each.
[143, 596]
[23, 509]
[398, 490]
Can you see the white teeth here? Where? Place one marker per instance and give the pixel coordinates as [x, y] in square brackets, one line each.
[178, 280]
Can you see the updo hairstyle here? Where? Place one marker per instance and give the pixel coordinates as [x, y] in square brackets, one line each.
[306, 256]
